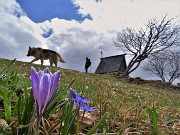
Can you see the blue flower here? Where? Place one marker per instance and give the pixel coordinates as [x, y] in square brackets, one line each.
[72, 94]
[44, 84]
[79, 100]
[86, 108]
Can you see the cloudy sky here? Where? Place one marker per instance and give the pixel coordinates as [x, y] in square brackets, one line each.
[76, 29]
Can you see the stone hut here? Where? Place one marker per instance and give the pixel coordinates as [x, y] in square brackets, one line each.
[112, 64]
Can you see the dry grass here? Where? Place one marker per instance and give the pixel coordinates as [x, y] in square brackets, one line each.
[126, 103]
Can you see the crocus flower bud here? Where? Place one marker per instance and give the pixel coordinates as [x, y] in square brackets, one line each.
[44, 84]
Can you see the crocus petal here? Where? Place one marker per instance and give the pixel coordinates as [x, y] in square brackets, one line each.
[39, 97]
[35, 80]
[40, 73]
[45, 91]
[55, 80]
[46, 70]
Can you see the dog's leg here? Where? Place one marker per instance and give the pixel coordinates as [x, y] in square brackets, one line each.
[55, 61]
[34, 60]
[42, 62]
[55, 64]
[51, 62]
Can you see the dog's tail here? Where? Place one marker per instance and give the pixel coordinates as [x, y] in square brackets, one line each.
[60, 59]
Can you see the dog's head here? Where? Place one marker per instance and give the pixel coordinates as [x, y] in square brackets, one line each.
[30, 51]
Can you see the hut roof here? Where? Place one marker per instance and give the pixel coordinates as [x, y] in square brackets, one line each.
[112, 64]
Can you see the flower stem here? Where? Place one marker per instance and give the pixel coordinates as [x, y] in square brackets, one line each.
[77, 127]
[83, 115]
[37, 125]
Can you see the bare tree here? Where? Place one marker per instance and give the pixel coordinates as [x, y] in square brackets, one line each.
[165, 65]
[157, 36]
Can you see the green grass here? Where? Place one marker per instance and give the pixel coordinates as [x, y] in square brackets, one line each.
[127, 104]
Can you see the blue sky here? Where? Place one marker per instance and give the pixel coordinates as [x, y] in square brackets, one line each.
[42, 10]
[76, 29]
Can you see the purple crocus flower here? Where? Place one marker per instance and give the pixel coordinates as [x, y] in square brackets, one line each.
[44, 84]
[79, 100]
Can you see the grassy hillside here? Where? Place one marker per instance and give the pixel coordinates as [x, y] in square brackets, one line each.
[128, 105]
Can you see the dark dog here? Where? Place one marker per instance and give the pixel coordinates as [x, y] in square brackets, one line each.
[44, 54]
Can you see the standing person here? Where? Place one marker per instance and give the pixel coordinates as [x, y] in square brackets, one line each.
[87, 64]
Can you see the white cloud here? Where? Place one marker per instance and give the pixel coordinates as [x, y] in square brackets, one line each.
[19, 32]
[76, 44]
[116, 14]
[10, 7]
[73, 40]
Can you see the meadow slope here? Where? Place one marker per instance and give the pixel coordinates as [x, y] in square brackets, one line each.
[126, 103]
